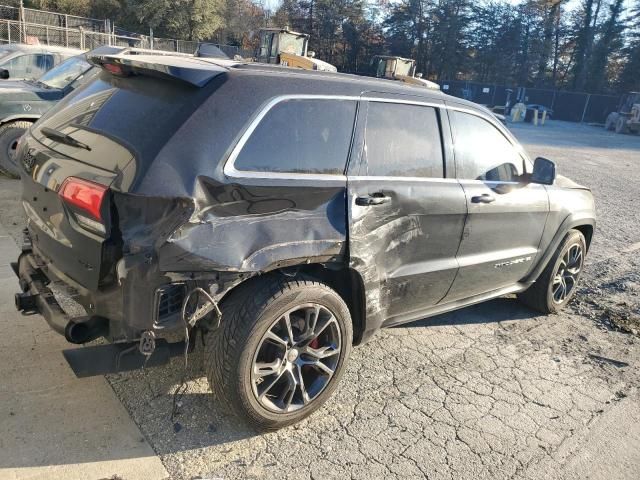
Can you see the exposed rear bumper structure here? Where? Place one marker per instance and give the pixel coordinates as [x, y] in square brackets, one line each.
[37, 298]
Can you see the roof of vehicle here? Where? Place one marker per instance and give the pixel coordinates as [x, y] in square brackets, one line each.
[199, 71]
[20, 47]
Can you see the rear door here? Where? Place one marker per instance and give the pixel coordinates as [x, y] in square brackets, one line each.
[405, 216]
[506, 214]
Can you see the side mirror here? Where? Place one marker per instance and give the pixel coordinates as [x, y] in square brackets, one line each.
[544, 171]
[4, 73]
[418, 75]
[311, 54]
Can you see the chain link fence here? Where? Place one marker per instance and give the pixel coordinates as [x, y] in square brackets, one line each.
[570, 106]
[13, 31]
[50, 28]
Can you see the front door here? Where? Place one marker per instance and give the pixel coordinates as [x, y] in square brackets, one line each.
[405, 217]
[506, 214]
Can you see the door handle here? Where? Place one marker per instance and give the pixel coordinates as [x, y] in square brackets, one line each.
[370, 200]
[484, 198]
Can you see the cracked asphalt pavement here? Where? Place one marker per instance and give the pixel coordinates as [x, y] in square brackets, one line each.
[492, 391]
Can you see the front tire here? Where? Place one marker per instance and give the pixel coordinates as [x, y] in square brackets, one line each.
[281, 350]
[10, 133]
[557, 284]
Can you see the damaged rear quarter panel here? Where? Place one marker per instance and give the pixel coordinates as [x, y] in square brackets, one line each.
[245, 228]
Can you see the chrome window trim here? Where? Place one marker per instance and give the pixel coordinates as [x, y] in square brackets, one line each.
[403, 179]
[230, 170]
[229, 167]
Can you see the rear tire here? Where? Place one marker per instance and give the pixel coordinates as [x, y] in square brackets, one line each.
[10, 133]
[263, 363]
[562, 272]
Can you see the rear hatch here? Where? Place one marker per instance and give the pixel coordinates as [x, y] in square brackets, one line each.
[98, 142]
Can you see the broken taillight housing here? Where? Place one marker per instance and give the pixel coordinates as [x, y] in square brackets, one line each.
[85, 199]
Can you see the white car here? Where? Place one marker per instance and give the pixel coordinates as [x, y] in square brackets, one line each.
[26, 62]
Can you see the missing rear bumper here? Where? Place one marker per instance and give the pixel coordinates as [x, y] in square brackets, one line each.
[119, 357]
[37, 297]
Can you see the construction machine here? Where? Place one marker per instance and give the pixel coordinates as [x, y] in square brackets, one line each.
[284, 47]
[401, 69]
[627, 118]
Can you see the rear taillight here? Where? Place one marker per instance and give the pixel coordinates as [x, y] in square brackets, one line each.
[86, 199]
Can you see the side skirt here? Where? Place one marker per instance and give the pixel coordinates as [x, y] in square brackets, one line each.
[448, 307]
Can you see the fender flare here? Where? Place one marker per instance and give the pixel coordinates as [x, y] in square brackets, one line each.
[13, 118]
[569, 223]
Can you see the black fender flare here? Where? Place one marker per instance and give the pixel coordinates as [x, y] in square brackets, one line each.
[13, 118]
[571, 222]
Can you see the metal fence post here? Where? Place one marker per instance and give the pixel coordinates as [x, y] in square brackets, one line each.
[66, 31]
[9, 31]
[586, 105]
[47, 33]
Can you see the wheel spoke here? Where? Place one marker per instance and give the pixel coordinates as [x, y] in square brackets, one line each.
[323, 326]
[270, 386]
[320, 366]
[303, 388]
[275, 338]
[286, 397]
[311, 316]
[264, 369]
[287, 322]
[322, 352]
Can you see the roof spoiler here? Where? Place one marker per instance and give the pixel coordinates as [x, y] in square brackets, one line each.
[172, 68]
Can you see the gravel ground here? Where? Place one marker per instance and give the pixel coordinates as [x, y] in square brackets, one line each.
[492, 391]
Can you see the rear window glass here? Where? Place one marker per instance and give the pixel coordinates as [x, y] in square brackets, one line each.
[301, 136]
[141, 113]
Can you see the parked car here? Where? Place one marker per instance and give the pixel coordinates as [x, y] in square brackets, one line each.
[22, 62]
[23, 102]
[284, 215]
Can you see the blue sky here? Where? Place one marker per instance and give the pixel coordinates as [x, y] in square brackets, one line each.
[273, 4]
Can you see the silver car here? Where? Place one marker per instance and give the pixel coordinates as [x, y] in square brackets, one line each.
[25, 62]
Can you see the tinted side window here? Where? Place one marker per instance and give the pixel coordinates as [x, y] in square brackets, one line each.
[301, 136]
[482, 151]
[403, 141]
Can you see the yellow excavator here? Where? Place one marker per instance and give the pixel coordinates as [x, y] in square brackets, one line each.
[401, 69]
[284, 47]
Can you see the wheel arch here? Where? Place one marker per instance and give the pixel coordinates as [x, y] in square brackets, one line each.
[19, 118]
[586, 225]
[346, 281]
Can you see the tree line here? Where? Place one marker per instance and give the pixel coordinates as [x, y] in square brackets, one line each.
[580, 45]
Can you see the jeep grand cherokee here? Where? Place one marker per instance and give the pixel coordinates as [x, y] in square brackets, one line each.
[287, 215]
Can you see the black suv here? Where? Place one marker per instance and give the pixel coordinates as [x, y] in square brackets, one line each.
[286, 215]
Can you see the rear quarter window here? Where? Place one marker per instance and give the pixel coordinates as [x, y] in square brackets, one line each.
[309, 136]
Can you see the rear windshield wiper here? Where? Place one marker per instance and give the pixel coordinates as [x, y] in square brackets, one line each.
[63, 138]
